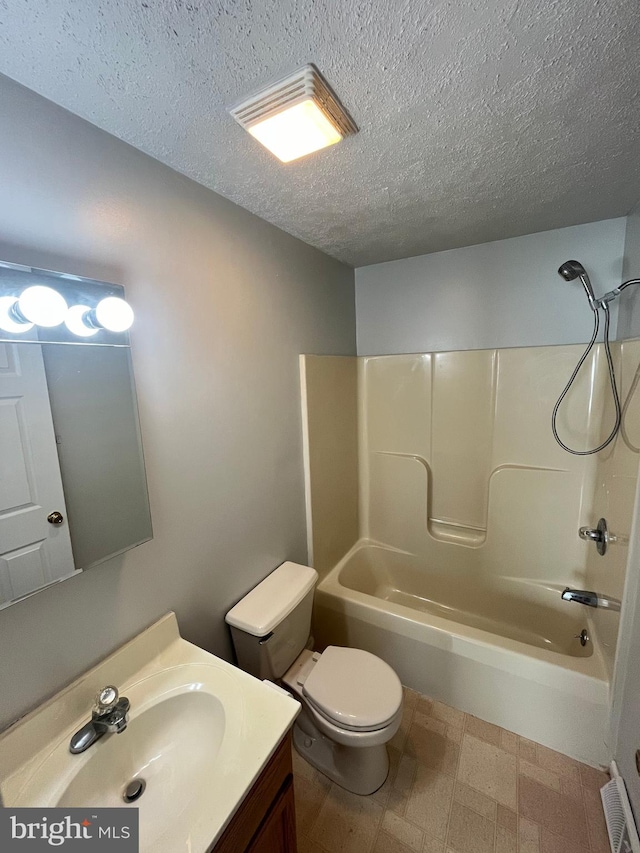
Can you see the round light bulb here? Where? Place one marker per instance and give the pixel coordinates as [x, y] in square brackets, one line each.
[7, 322]
[75, 321]
[114, 314]
[43, 306]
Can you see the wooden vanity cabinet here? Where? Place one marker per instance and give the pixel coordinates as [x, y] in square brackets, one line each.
[266, 819]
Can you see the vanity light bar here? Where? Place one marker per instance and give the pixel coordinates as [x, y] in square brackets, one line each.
[43, 306]
[295, 116]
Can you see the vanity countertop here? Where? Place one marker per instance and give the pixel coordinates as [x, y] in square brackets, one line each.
[200, 732]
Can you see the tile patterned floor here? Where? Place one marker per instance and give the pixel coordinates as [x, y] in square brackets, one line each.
[456, 785]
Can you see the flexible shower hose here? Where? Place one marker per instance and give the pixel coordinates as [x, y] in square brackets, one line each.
[612, 380]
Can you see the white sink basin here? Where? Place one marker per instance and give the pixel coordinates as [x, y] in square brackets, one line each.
[177, 739]
[199, 733]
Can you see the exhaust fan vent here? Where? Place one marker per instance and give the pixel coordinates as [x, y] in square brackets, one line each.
[295, 116]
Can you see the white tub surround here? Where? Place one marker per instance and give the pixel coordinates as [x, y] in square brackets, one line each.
[476, 511]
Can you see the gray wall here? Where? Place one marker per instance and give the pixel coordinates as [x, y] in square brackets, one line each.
[501, 294]
[629, 319]
[224, 304]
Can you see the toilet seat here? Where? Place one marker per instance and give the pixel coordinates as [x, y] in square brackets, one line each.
[353, 689]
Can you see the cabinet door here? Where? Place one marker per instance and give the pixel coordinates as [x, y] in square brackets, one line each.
[278, 831]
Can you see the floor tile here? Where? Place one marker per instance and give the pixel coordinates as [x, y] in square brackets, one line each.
[432, 750]
[431, 845]
[545, 777]
[449, 715]
[386, 843]
[509, 742]
[452, 788]
[454, 733]
[507, 818]
[429, 722]
[429, 803]
[308, 845]
[598, 835]
[483, 731]
[488, 769]
[424, 705]
[405, 774]
[527, 749]
[474, 800]
[528, 836]
[571, 788]
[506, 840]
[347, 823]
[556, 812]
[403, 830]
[396, 803]
[557, 763]
[551, 843]
[308, 800]
[470, 832]
[593, 779]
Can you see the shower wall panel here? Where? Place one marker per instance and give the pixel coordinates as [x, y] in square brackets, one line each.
[615, 495]
[450, 457]
[330, 442]
[458, 463]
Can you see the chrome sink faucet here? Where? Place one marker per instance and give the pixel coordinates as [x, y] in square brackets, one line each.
[110, 714]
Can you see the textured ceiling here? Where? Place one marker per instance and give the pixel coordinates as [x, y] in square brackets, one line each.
[479, 119]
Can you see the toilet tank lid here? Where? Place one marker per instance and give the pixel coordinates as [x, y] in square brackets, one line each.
[273, 599]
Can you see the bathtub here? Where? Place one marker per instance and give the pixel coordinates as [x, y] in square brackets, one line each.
[505, 650]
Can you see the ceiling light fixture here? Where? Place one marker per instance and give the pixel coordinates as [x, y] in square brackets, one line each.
[295, 116]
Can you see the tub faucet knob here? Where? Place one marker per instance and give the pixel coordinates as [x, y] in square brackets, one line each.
[599, 535]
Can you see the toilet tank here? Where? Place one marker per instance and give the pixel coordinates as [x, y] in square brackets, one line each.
[270, 626]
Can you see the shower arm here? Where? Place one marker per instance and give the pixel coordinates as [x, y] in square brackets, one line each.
[612, 294]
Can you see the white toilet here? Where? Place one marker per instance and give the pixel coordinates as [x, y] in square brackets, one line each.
[351, 700]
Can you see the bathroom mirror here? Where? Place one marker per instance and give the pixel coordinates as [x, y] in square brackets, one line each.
[73, 489]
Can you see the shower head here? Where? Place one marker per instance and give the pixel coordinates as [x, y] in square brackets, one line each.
[571, 270]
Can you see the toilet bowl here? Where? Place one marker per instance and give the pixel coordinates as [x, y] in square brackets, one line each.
[352, 707]
[351, 700]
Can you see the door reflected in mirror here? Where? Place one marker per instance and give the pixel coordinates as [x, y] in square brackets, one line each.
[73, 489]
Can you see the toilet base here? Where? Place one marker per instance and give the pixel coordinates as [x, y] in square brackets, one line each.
[361, 770]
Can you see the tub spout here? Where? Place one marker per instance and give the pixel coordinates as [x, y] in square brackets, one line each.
[591, 599]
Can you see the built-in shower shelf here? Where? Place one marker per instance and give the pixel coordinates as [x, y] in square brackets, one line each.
[458, 534]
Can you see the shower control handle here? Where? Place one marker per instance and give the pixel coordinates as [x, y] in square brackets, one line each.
[599, 535]
[590, 533]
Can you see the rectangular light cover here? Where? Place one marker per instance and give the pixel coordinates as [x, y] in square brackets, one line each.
[296, 116]
[296, 131]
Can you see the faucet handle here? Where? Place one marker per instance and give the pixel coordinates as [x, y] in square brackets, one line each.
[599, 535]
[106, 700]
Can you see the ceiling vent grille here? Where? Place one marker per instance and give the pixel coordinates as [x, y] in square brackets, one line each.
[296, 115]
[305, 83]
